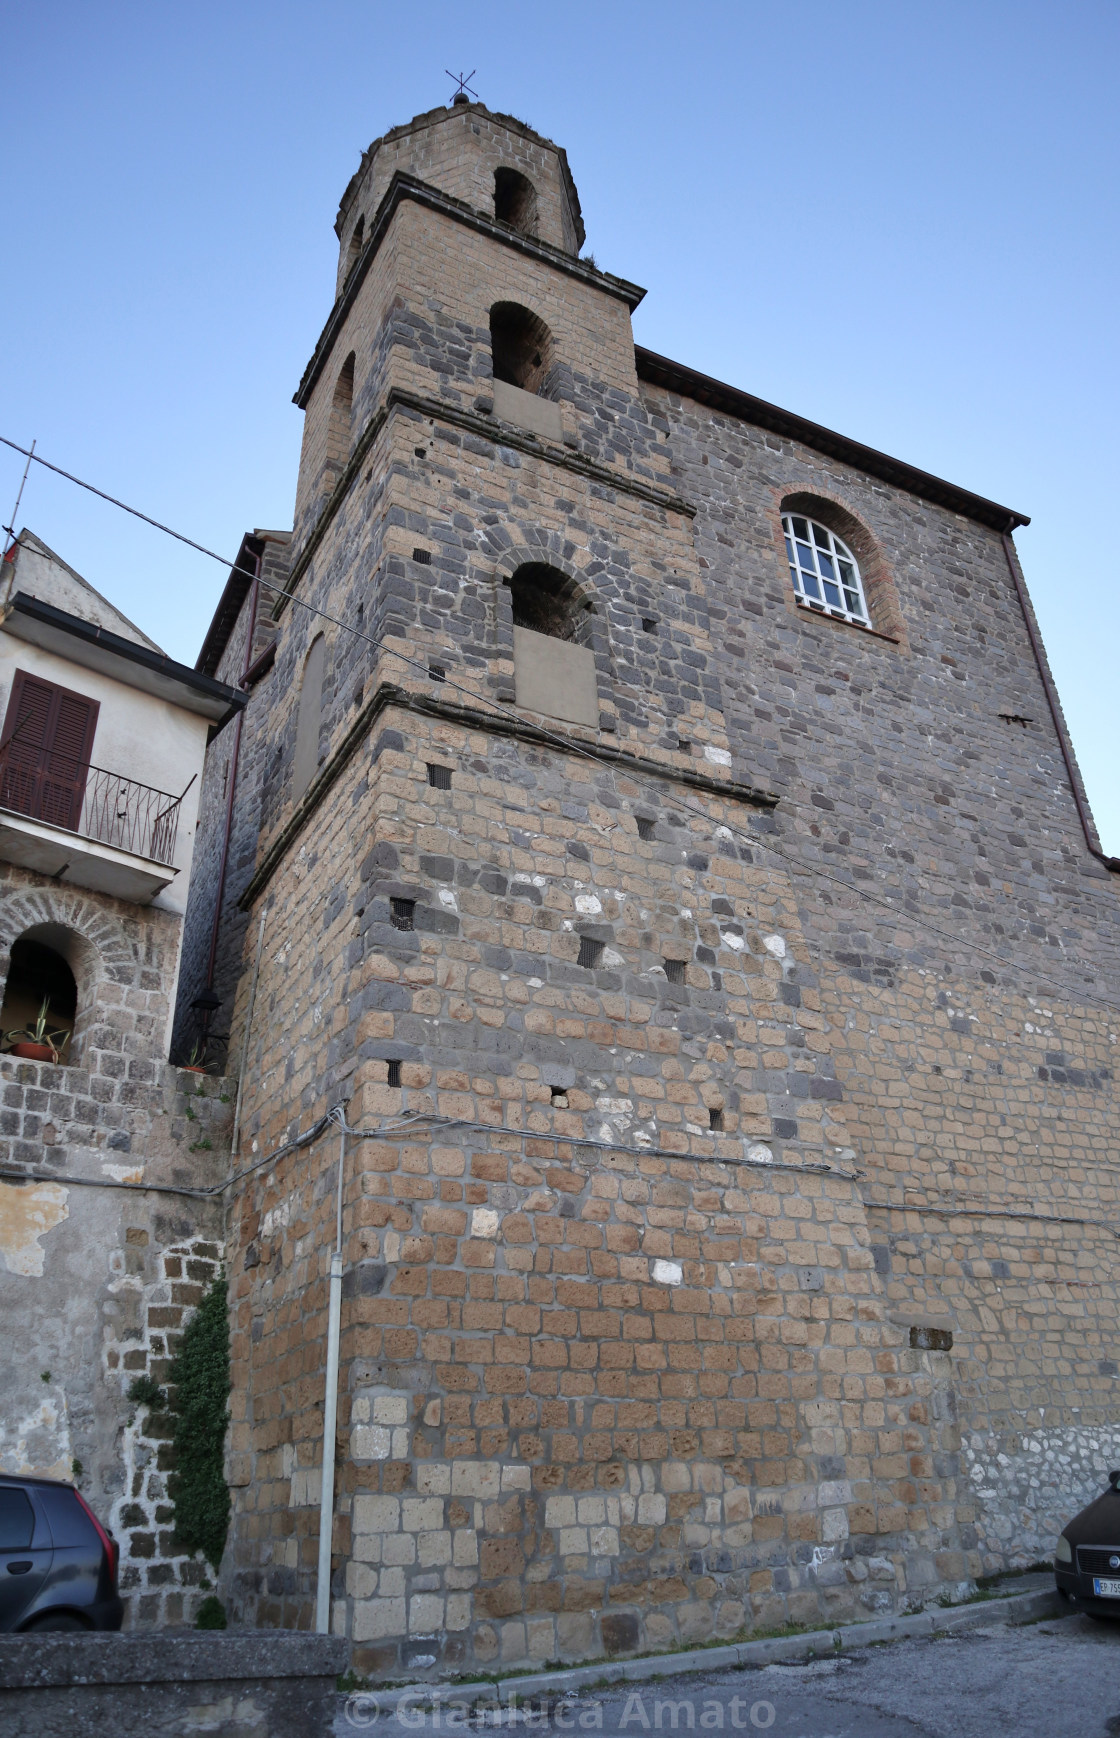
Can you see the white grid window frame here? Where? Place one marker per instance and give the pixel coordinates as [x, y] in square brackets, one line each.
[825, 573]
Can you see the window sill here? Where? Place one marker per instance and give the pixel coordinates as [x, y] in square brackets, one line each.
[805, 609]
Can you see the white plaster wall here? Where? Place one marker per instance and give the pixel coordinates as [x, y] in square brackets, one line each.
[137, 735]
[40, 573]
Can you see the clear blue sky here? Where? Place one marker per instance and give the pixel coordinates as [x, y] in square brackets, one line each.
[897, 219]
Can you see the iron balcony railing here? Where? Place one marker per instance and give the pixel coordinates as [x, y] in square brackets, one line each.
[87, 800]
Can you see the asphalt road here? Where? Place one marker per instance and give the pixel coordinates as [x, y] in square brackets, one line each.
[1047, 1680]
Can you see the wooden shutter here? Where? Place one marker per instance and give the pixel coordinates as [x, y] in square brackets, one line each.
[47, 741]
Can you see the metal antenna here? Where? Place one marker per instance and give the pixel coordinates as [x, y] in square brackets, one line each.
[464, 92]
[11, 529]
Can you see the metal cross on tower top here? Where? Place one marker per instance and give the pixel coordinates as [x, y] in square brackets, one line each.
[464, 93]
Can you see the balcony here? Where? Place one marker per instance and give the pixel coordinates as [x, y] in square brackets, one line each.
[85, 826]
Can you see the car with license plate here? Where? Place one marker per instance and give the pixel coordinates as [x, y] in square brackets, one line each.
[58, 1565]
[1087, 1555]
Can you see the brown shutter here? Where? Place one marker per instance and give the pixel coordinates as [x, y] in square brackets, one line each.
[47, 740]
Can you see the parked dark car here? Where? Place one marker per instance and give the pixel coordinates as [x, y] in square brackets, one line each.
[58, 1565]
[1087, 1558]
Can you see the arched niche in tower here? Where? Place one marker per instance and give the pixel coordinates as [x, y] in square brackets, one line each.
[523, 354]
[338, 427]
[309, 717]
[353, 252]
[521, 346]
[553, 662]
[515, 200]
[547, 602]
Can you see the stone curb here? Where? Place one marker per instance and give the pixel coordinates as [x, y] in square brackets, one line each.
[44, 1660]
[776, 1650]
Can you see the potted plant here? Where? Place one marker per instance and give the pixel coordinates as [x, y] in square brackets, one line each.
[196, 1061]
[35, 1043]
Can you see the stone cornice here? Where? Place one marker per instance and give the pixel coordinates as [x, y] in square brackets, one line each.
[391, 695]
[485, 428]
[403, 187]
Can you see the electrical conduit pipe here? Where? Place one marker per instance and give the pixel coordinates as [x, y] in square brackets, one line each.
[330, 1407]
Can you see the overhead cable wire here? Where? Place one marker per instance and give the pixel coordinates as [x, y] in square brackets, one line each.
[569, 746]
[399, 1129]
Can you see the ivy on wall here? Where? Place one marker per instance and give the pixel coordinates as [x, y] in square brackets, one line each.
[200, 1381]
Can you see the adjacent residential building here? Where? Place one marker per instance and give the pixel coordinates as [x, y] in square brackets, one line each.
[107, 1237]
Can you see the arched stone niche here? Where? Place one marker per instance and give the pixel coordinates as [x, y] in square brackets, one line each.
[564, 671]
[103, 960]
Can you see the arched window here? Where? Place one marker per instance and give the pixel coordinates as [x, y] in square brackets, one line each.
[41, 994]
[354, 251]
[521, 343]
[338, 429]
[515, 201]
[544, 600]
[310, 716]
[824, 571]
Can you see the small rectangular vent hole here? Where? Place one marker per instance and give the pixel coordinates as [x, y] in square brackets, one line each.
[674, 971]
[437, 673]
[423, 556]
[715, 1119]
[439, 777]
[590, 952]
[684, 746]
[402, 910]
[645, 828]
[394, 1074]
[649, 625]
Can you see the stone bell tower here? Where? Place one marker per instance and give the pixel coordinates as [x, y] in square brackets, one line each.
[510, 920]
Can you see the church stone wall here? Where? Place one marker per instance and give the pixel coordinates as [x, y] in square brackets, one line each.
[598, 1397]
[969, 965]
[593, 1398]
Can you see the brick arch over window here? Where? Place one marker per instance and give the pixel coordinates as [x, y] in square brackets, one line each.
[570, 588]
[93, 944]
[880, 589]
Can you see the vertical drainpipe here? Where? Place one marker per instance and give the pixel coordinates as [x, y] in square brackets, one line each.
[330, 1409]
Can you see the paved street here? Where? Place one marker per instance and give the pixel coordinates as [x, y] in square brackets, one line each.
[1048, 1680]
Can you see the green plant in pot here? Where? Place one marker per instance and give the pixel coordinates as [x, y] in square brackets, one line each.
[37, 1043]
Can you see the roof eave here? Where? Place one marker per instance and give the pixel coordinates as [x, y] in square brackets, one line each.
[731, 401]
[53, 629]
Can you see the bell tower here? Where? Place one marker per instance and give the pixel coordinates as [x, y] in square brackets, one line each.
[470, 349]
[493, 164]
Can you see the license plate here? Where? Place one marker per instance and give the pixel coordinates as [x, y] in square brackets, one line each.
[1106, 1589]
